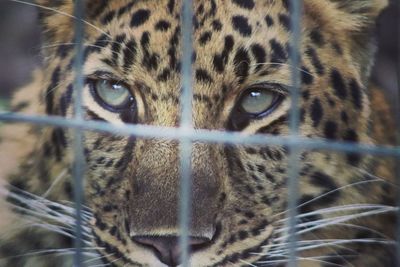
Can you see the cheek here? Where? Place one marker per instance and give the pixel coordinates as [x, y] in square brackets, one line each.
[107, 158]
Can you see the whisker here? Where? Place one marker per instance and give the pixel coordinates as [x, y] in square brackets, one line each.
[283, 64]
[248, 263]
[330, 192]
[383, 179]
[99, 258]
[342, 208]
[56, 252]
[62, 13]
[57, 180]
[333, 221]
[41, 202]
[106, 264]
[319, 259]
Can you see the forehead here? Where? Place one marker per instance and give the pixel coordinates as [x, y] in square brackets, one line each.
[234, 41]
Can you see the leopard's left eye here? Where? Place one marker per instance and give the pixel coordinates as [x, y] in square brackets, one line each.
[111, 94]
[257, 101]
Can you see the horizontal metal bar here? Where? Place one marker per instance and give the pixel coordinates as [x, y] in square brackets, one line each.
[213, 136]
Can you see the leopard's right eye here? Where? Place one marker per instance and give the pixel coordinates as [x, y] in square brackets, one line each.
[114, 96]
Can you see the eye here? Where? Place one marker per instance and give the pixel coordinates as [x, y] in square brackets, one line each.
[258, 101]
[254, 103]
[112, 95]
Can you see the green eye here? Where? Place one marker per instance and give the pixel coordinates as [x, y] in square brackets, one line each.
[112, 94]
[257, 101]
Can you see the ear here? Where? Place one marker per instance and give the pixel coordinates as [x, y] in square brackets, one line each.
[56, 19]
[355, 20]
[57, 16]
[364, 10]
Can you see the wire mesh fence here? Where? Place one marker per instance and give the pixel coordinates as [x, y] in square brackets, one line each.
[186, 134]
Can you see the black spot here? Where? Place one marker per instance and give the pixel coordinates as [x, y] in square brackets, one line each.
[145, 40]
[315, 61]
[205, 38]
[116, 47]
[66, 100]
[249, 214]
[113, 230]
[216, 24]
[140, 17]
[350, 136]
[63, 50]
[247, 4]
[59, 141]
[55, 77]
[95, 9]
[126, 8]
[306, 94]
[337, 48]
[162, 25]
[355, 94]
[269, 20]
[352, 158]
[330, 129]
[284, 20]
[323, 180]
[171, 6]
[338, 84]
[316, 112]
[164, 75]
[129, 54]
[344, 116]
[243, 235]
[203, 76]
[108, 17]
[317, 38]
[278, 54]
[241, 62]
[306, 77]
[259, 54]
[200, 9]
[286, 4]
[220, 60]
[241, 24]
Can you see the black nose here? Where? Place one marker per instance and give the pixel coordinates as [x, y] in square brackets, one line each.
[167, 248]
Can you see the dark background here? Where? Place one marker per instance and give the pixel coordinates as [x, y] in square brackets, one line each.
[20, 45]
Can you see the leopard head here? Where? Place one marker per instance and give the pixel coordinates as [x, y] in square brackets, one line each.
[241, 83]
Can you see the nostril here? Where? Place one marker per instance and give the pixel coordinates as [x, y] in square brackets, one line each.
[167, 248]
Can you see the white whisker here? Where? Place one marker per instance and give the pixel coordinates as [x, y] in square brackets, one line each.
[60, 12]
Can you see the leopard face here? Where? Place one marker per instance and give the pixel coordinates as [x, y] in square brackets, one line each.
[241, 80]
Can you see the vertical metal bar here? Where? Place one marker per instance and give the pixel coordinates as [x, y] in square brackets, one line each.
[293, 171]
[397, 117]
[79, 158]
[186, 124]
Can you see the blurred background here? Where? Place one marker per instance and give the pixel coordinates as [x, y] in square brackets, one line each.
[20, 45]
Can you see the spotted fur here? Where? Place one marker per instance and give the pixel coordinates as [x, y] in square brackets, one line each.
[346, 205]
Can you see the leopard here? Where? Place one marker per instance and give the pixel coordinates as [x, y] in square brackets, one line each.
[243, 82]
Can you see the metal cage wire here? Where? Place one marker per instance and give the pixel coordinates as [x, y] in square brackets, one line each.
[186, 134]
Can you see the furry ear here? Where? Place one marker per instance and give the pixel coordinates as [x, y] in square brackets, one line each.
[355, 20]
[366, 10]
[56, 19]
[362, 15]
[352, 15]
